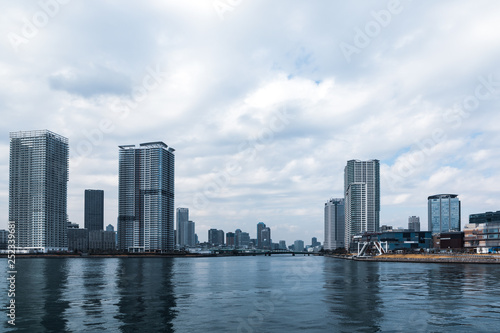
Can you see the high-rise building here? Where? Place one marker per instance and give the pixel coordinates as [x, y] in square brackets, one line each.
[282, 245]
[414, 223]
[244, 239]
[334, 224]
[216, 237]
[94, 210]
[237, 237]
[260, 226]
[298, 246]
[230, 238]
[265, 236]
[110, 228]
[444, 213]
[146, 197]
[191, 241]
[181, 225]
[38, 188]
[362, 198]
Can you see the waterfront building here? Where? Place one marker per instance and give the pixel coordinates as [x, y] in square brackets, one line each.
[191, 241]
[245, 240]
[265, 236]
[444, 213]
[260, 226]
[100, 240]
[146, 197]
[94, 210]
[38, 185]
[453, 240]
[485, 217]
[298, 246]
[414, 223]
[362, 198]
[334, 224]
[396, 240]
[282, 245]
[230, 239]
[4, 237]
[216, 237]
[181, 225]
[78, 240]
[482, 237]
[237, 238]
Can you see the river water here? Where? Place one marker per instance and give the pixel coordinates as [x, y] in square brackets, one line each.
[281, 293]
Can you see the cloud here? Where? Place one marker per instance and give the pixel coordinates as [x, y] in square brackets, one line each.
[91, 81]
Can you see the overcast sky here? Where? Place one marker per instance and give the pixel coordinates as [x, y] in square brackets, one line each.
[264, 101]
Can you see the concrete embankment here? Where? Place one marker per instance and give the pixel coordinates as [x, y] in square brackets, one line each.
[428, 258]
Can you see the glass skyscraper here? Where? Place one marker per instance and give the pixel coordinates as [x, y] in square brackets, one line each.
[181, 226]
[362, 197]
[444, 213]
[38, 186]
[146, 197]
[334, 224]
[94, 210]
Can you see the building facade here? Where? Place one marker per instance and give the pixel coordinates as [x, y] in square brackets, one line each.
[38, 186]
[444, 213]
[181, 226]
[260, 226]
[414, 223]
[298, 246]
[334, 224]
[94, 210]
[191, 241]
[362, 198]
[265, 236]
[146, 197]
[216, 237]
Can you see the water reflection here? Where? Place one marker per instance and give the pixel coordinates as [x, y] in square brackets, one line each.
[351, 291]
[145, 293]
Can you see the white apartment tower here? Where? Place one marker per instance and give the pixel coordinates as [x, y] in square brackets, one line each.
[362, 198]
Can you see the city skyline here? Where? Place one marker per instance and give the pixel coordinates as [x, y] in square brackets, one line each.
[265, 118]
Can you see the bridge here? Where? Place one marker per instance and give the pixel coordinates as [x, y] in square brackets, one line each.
[259, 252]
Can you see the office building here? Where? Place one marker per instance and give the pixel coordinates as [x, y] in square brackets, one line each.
[245, 240]
[298, 246]
[146, 197]
[444, 213]
[94, 210]
[216, 237]
[191, 241]
[260, 226]
[230, 239]
[265, 238]
[181, 225]
[485, 217]
[414, 223]
[38, 190]
[78, 240]
[282, 245]
[334, 224]
[362, 198]
[101, 241]
[110, 228]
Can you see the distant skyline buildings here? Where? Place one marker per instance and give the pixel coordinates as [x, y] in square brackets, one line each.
[94, 209]
[260, 226]
[414, 223]
[181, 226]
[146, 197]
[334, 220]
[444, 213]
[362, 197]
[38, 186]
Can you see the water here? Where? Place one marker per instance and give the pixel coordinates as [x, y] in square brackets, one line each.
[250, 294]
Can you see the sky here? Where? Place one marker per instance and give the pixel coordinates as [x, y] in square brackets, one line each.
[263, 101]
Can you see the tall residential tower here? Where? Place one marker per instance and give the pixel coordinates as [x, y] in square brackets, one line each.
[146, 197]
[334, 224]
[38, 187]
[362, 197]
